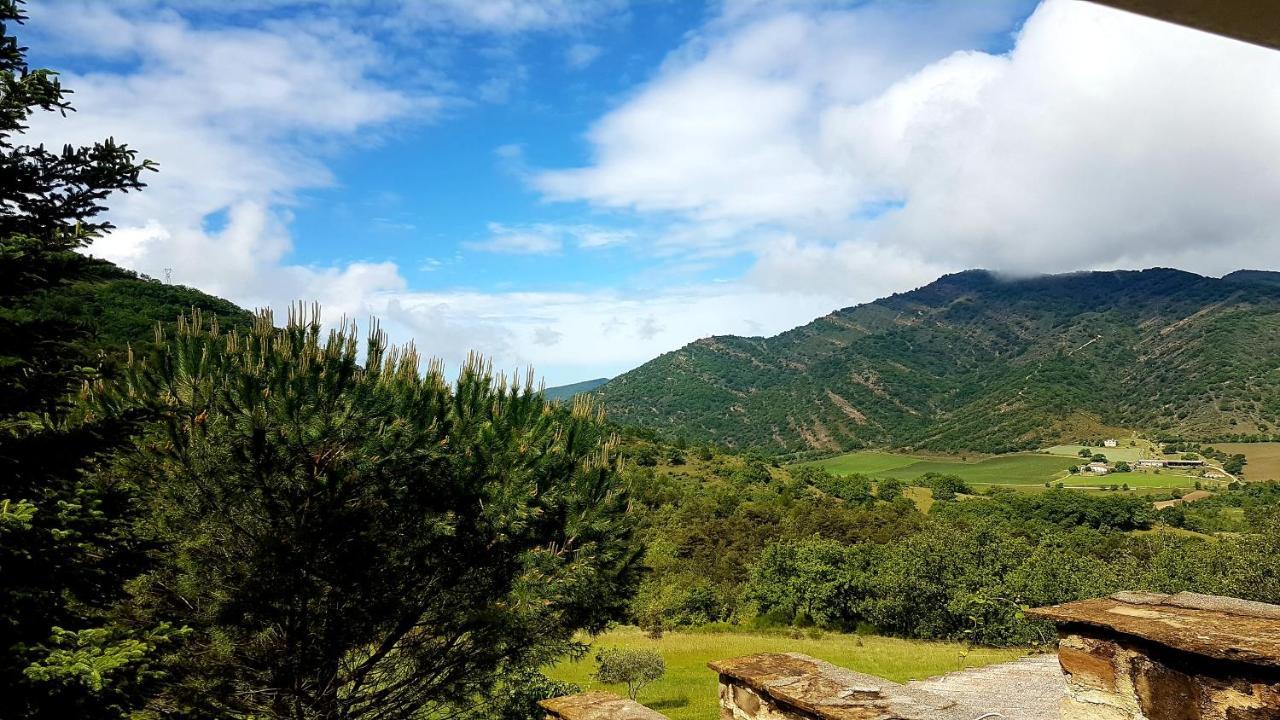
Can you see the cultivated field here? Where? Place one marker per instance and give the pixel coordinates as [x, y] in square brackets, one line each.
[1024, 471]
[1115, 454]
[688, 692]
[1023, 468]
[1263, 458]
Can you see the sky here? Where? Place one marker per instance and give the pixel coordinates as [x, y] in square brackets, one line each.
[581, 185]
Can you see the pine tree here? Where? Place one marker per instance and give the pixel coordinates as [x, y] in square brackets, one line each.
[65, 549]
[350, 537]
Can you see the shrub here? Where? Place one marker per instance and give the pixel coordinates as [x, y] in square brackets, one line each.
[890, 489]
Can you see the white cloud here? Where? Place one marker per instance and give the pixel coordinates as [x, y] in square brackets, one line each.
[506, 16]
[544, 335]
[581, 55]
[547, 238]
[1102, 139]
[239, 121]
[531, 240]
[569, 336]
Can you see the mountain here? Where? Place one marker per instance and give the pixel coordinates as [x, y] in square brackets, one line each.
[975, 361]
[565, 392]
[1264, 277]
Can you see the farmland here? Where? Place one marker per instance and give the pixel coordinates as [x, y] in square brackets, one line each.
[1125, 452]
[1025, 471]
[688, 691]
[1263, 458]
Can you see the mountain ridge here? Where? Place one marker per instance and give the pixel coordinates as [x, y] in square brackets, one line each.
[980, 361]
[567, 392]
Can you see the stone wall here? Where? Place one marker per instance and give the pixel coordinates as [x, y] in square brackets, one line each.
[1140, 656]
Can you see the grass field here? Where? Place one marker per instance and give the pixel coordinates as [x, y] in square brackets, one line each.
[1023, 468]
[1115, 454]
[1263, 459]
[1025, 471]
[688, 691]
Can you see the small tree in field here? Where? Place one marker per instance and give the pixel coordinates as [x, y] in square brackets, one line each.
[636, 668]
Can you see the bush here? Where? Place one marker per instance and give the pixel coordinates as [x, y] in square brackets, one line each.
[635, 667]
[944, 487]
[890, 489]
[518, 694]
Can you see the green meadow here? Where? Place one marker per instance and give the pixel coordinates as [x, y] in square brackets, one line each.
[1025, 471]
[1115, 454]
[688, 691]
[1021, 468]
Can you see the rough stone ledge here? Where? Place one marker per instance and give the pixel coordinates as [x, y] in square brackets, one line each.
[598, 706]
[1205, 625]
[828, 692]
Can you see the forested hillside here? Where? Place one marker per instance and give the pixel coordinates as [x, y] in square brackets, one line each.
[974, 361]
[565, 392]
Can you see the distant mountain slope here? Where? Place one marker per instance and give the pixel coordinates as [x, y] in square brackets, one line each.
[972, 361]
[116, 307]
[564, 392]
[1263, 277]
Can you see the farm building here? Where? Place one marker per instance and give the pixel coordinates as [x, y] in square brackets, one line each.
[1184, 463]
[1150, 463]
[1098, 468]
[1110, 443]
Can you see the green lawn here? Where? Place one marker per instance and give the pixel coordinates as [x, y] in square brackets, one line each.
[688, 691]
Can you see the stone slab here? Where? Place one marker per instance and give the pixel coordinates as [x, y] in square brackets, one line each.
[1204, 625]
[598, 706]
[825, 691]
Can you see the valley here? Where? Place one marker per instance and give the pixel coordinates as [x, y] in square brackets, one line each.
[1039, 471]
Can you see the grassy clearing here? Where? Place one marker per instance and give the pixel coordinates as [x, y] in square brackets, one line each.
[688, 692]
[1263, 459]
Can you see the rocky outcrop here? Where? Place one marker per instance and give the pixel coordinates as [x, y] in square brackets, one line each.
[1145, 656]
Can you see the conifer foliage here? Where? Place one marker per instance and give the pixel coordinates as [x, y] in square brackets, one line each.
[351, 537]
[65, 550]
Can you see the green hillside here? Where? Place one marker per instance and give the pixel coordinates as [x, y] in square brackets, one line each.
[114, 308]
[974, 361]
[565, 392]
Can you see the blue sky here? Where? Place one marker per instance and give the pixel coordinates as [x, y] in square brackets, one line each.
[582, 185]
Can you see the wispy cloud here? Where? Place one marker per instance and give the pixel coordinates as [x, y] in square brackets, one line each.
[581, 55]
[547, 238]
